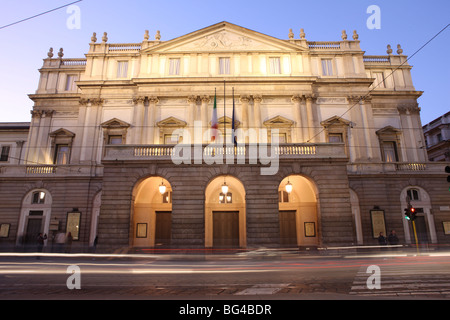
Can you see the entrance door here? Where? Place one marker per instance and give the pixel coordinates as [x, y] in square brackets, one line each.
[163, 228]
[34, 227]
[421, 229]
[288, 229]
[226, 229]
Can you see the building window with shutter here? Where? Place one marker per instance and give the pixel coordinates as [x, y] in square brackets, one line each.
[224, 66]
[5, 153]
[327, 67]
[70, 82]
[122, 69]
[62, 154]
[174, 66]
[274, 65]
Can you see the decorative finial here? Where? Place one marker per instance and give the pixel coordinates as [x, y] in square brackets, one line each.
[344, 35]
[389, 49]
[355, 35]
[291, 34]
[60, 53]
[158, 35]
[146, 36]
[302, 34]
[50, 53]
[399, 49]
[105, 37]
[94, 37]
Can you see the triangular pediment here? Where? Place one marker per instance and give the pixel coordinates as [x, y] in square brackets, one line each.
[335, 121]
[278, 121]
[62, 132]
[171, 122]
[224, 37]
[115, 123]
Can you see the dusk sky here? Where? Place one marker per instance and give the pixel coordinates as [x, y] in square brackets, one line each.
[410, 23]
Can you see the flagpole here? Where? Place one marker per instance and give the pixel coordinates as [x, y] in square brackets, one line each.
[224, 117]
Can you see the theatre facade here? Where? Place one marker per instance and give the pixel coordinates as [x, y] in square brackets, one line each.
[316, 145]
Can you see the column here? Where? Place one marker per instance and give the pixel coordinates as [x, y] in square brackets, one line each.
[43, 152]
[192, 101]
[257, 106]
[96, 144]
[31, 157]
[296, 99]
[138, 119]
[204, 117]
[150, 125]
[309, 114]
[368, 144]
[244, 106]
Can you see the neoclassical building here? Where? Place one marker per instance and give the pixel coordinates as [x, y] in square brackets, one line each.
[328, 146]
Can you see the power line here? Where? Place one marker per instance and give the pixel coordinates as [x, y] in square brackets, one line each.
[370, 91]
[40, 14]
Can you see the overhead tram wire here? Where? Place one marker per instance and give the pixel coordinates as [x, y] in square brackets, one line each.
[40, 14]
[370, 91]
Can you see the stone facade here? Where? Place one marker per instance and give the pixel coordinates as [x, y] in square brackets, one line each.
[119, 146]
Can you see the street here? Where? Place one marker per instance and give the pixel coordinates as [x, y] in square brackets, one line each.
[251, 275]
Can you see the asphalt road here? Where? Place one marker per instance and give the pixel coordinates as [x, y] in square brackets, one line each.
[250, 276]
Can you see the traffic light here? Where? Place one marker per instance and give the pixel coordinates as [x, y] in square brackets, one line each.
[447, 169]
[410, 213]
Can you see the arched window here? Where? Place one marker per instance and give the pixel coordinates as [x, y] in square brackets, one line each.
[38, 197]
[413, 194]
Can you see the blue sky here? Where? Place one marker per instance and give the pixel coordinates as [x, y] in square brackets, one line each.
[410, 23]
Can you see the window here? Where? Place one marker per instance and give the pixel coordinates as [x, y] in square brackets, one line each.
[38, 197]
[171, 138]
[274, 65]
[327, 68]
[280, 136]
[226, 199]
[167, 197]
[379, 80]
[390, 151]
[335, 137]
[224, 66]
[439, 137]
[115, 139]
[70, 82]
[5, 153]
[413, 194]
[283, 196]
[174, 67]
[122, 69]
[62, 154]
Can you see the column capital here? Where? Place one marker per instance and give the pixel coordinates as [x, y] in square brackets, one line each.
[139, 100]
[192, 99]
[297, 98]
[205, 99]
[244, 98]
[257, 98]
[153, 99]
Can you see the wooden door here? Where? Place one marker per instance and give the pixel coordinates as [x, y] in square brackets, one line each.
[226, 229]
[288, 229]
[163, 228]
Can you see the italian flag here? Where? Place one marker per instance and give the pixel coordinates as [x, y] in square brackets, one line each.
[214, 123]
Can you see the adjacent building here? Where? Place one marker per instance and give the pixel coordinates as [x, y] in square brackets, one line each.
[316, 144]
[437, 137]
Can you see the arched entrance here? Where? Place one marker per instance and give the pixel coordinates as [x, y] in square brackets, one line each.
[297, 203]
[225, 216]
[424, 222]
[34, 217]
[152, 213]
